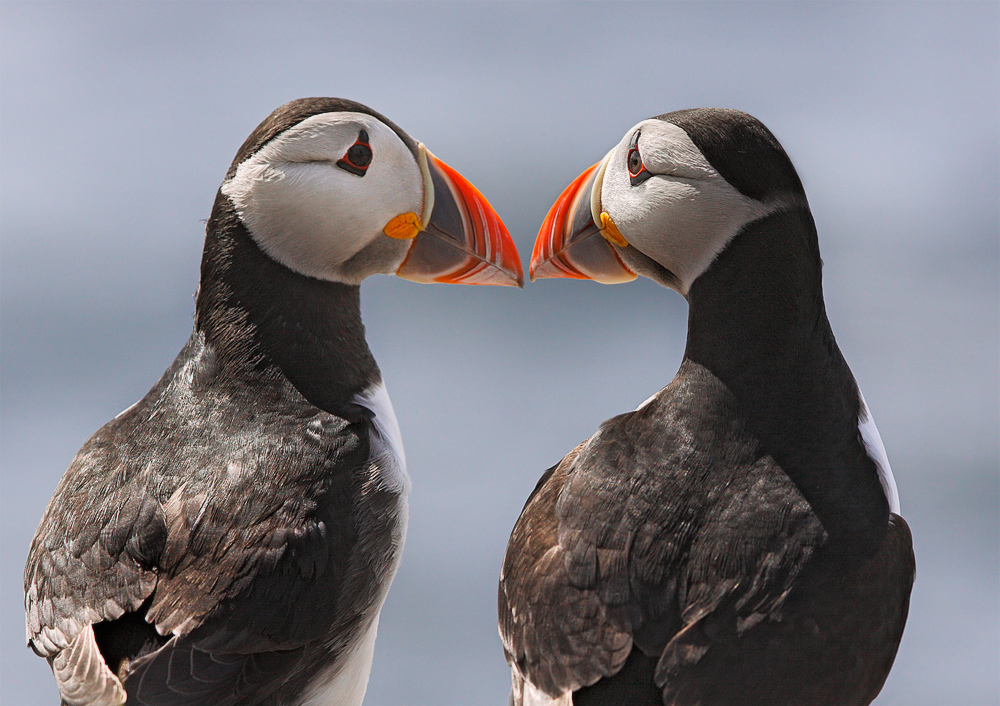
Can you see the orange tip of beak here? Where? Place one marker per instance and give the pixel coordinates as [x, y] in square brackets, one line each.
[553, 236]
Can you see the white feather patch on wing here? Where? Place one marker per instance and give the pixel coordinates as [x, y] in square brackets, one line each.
[127, 409]
[876, 451]
[387, 442]
[649, 399]
[82, 676]
[524, 693]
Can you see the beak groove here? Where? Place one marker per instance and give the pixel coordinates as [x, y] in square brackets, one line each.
[554, 237]
[463, 241]
[570, 244]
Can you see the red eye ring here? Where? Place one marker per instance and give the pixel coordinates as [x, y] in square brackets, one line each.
[637, 172]
[635, 165]
[358, 156]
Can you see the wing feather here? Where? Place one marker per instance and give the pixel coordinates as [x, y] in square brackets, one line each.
[229, 533]
[629, 543]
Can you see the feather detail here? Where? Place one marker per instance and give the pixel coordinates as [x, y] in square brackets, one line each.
[83, 677]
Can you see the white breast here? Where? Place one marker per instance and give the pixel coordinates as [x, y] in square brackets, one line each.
[386, 441]
[876, 451]
[345, 683]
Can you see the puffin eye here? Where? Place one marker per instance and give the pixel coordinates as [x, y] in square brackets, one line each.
[634, 162]
[358, 156]
[637, 172]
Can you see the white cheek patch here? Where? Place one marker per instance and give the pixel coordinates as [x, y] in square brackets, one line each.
[666, 148]
[876, 451]
[684, 215]
[309, 214]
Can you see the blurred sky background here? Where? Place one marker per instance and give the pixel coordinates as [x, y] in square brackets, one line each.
[119, 120]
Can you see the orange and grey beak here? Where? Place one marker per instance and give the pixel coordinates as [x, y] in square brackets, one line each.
[458, 238]
[571, 244]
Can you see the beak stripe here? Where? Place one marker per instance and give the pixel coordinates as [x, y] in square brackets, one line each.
[567, 244]
[554, 235]
[478, 223]
[464, 240]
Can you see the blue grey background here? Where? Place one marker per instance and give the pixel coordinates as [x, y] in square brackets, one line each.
[119, 120]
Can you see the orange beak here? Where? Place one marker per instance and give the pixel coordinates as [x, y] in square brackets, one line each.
[570, 244]
[464, 241]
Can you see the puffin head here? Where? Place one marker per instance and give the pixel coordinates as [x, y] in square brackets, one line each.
[333, 190]
[666, 200]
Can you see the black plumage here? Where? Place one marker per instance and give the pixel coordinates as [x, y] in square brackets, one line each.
[230, 538]
[206, 506]
[728, 542]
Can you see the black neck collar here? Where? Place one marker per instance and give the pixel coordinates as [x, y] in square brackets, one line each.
[757, 321]
[263, 319]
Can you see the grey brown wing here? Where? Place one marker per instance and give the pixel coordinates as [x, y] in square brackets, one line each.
[286, 587]
[209, 591]
[626, 547]
[92, 560]
[558, 634]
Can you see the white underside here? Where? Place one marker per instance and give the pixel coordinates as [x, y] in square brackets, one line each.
[345, 683]
[387, 442]
[876, 451]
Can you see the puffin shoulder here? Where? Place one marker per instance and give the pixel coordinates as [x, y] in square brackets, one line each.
[169, 518]
[644, 530]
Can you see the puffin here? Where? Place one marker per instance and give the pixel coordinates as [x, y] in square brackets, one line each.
[737, 538]
[230, 538]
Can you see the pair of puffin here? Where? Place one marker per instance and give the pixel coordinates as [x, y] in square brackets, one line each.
[230, 538]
